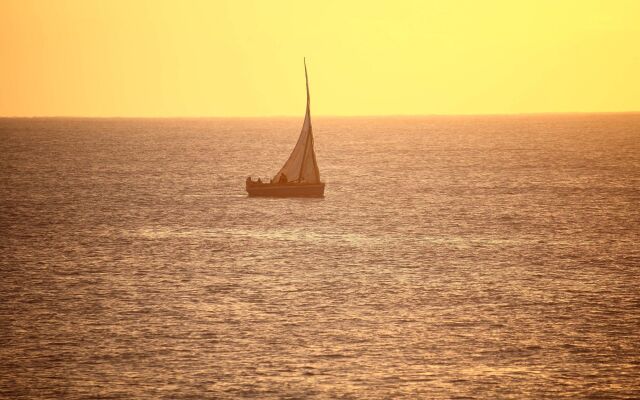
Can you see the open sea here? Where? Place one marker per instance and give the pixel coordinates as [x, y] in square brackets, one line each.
[452, 257]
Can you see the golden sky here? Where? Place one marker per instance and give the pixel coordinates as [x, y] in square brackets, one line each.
[244, 58]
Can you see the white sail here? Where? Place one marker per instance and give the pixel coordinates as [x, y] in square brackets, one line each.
[301, 165]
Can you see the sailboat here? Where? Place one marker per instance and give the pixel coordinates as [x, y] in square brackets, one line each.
[299, 176]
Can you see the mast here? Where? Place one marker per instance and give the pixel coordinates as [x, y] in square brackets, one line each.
[307, 115]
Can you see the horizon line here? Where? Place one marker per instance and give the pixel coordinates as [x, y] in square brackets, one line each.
[319, 116]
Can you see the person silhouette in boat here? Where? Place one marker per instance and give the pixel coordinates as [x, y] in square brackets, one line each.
[283, 179]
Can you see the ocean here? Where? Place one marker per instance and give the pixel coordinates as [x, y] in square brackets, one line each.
[452, 257]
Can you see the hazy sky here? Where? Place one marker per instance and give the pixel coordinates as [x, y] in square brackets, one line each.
[244, 58]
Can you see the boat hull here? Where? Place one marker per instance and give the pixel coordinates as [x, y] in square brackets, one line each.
[285, 190]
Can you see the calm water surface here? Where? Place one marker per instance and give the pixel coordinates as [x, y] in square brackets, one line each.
[467, 257]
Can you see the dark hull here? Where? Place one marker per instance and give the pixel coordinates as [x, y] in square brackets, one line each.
[285, 190]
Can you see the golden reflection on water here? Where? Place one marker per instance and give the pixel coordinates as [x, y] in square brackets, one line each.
[491, 257]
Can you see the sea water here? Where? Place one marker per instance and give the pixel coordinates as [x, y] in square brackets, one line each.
[452, 257]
